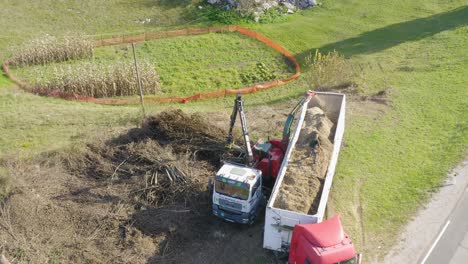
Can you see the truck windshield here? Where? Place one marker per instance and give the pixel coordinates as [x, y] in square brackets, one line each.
[232, 189]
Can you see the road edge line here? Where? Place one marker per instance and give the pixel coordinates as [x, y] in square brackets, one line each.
[435, 242]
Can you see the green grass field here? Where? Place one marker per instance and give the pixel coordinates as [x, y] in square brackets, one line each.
[192, 64]
[390, 162]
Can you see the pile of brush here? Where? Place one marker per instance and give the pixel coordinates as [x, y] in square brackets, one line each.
[168, 160]
[187, 134]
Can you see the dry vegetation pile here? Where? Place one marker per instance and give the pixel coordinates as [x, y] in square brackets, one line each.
[47, 49]
[138, 197]
[188, 134]
[97, 79]
[303, 181]
[329, 71]
[165, 167]
[168, 160]
[54, 217]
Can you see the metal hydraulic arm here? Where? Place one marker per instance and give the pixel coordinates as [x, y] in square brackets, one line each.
[292, 114]
[239, 108]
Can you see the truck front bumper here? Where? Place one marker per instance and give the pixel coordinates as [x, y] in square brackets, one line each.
[233, 216]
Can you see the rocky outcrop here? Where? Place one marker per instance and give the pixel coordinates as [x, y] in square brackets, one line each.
[299, 4]
[263, 5]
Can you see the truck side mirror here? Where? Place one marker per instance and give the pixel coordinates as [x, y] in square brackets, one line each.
[210, 186]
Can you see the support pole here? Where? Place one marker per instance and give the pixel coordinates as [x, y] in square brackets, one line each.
[139, 81]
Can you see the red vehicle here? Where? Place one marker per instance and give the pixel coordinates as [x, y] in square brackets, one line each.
[322, 243]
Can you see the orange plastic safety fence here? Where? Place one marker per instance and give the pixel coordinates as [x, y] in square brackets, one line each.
[170, 99]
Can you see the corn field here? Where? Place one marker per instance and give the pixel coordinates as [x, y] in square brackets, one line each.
[98, 79]
[47, 49]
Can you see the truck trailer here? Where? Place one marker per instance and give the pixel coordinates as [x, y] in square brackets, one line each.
[281, 224]
[238, 188]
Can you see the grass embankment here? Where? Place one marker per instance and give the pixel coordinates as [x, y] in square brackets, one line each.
[186, 65]
[390, 161]
[23, 20]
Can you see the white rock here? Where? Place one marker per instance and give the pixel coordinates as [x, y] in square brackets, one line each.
[270, 4]
[266, 6]
[289, 6]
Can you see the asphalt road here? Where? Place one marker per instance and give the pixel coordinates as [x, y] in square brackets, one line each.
[439, 232]
[452, 245]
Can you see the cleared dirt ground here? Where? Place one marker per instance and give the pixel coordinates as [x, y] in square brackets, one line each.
[100, 206]
[97, 206]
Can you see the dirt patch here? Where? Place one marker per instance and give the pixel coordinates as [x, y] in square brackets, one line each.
[308, 165]
[54, 217]
[106, 204]
[97, 206]
[380, 97]
[354, 93]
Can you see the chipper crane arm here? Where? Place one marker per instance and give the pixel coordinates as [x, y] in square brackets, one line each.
[239, 109]
[291, 117]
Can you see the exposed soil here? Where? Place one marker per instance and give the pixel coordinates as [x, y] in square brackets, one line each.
[308, 165]
[139, 197]
[106, 205]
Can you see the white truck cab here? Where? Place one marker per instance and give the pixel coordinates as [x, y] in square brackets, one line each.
[237, 193]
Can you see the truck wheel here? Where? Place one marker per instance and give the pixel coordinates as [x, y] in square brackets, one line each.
[252, 221]
[280, 255]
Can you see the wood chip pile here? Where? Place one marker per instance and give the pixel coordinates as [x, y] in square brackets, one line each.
[302, 184]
